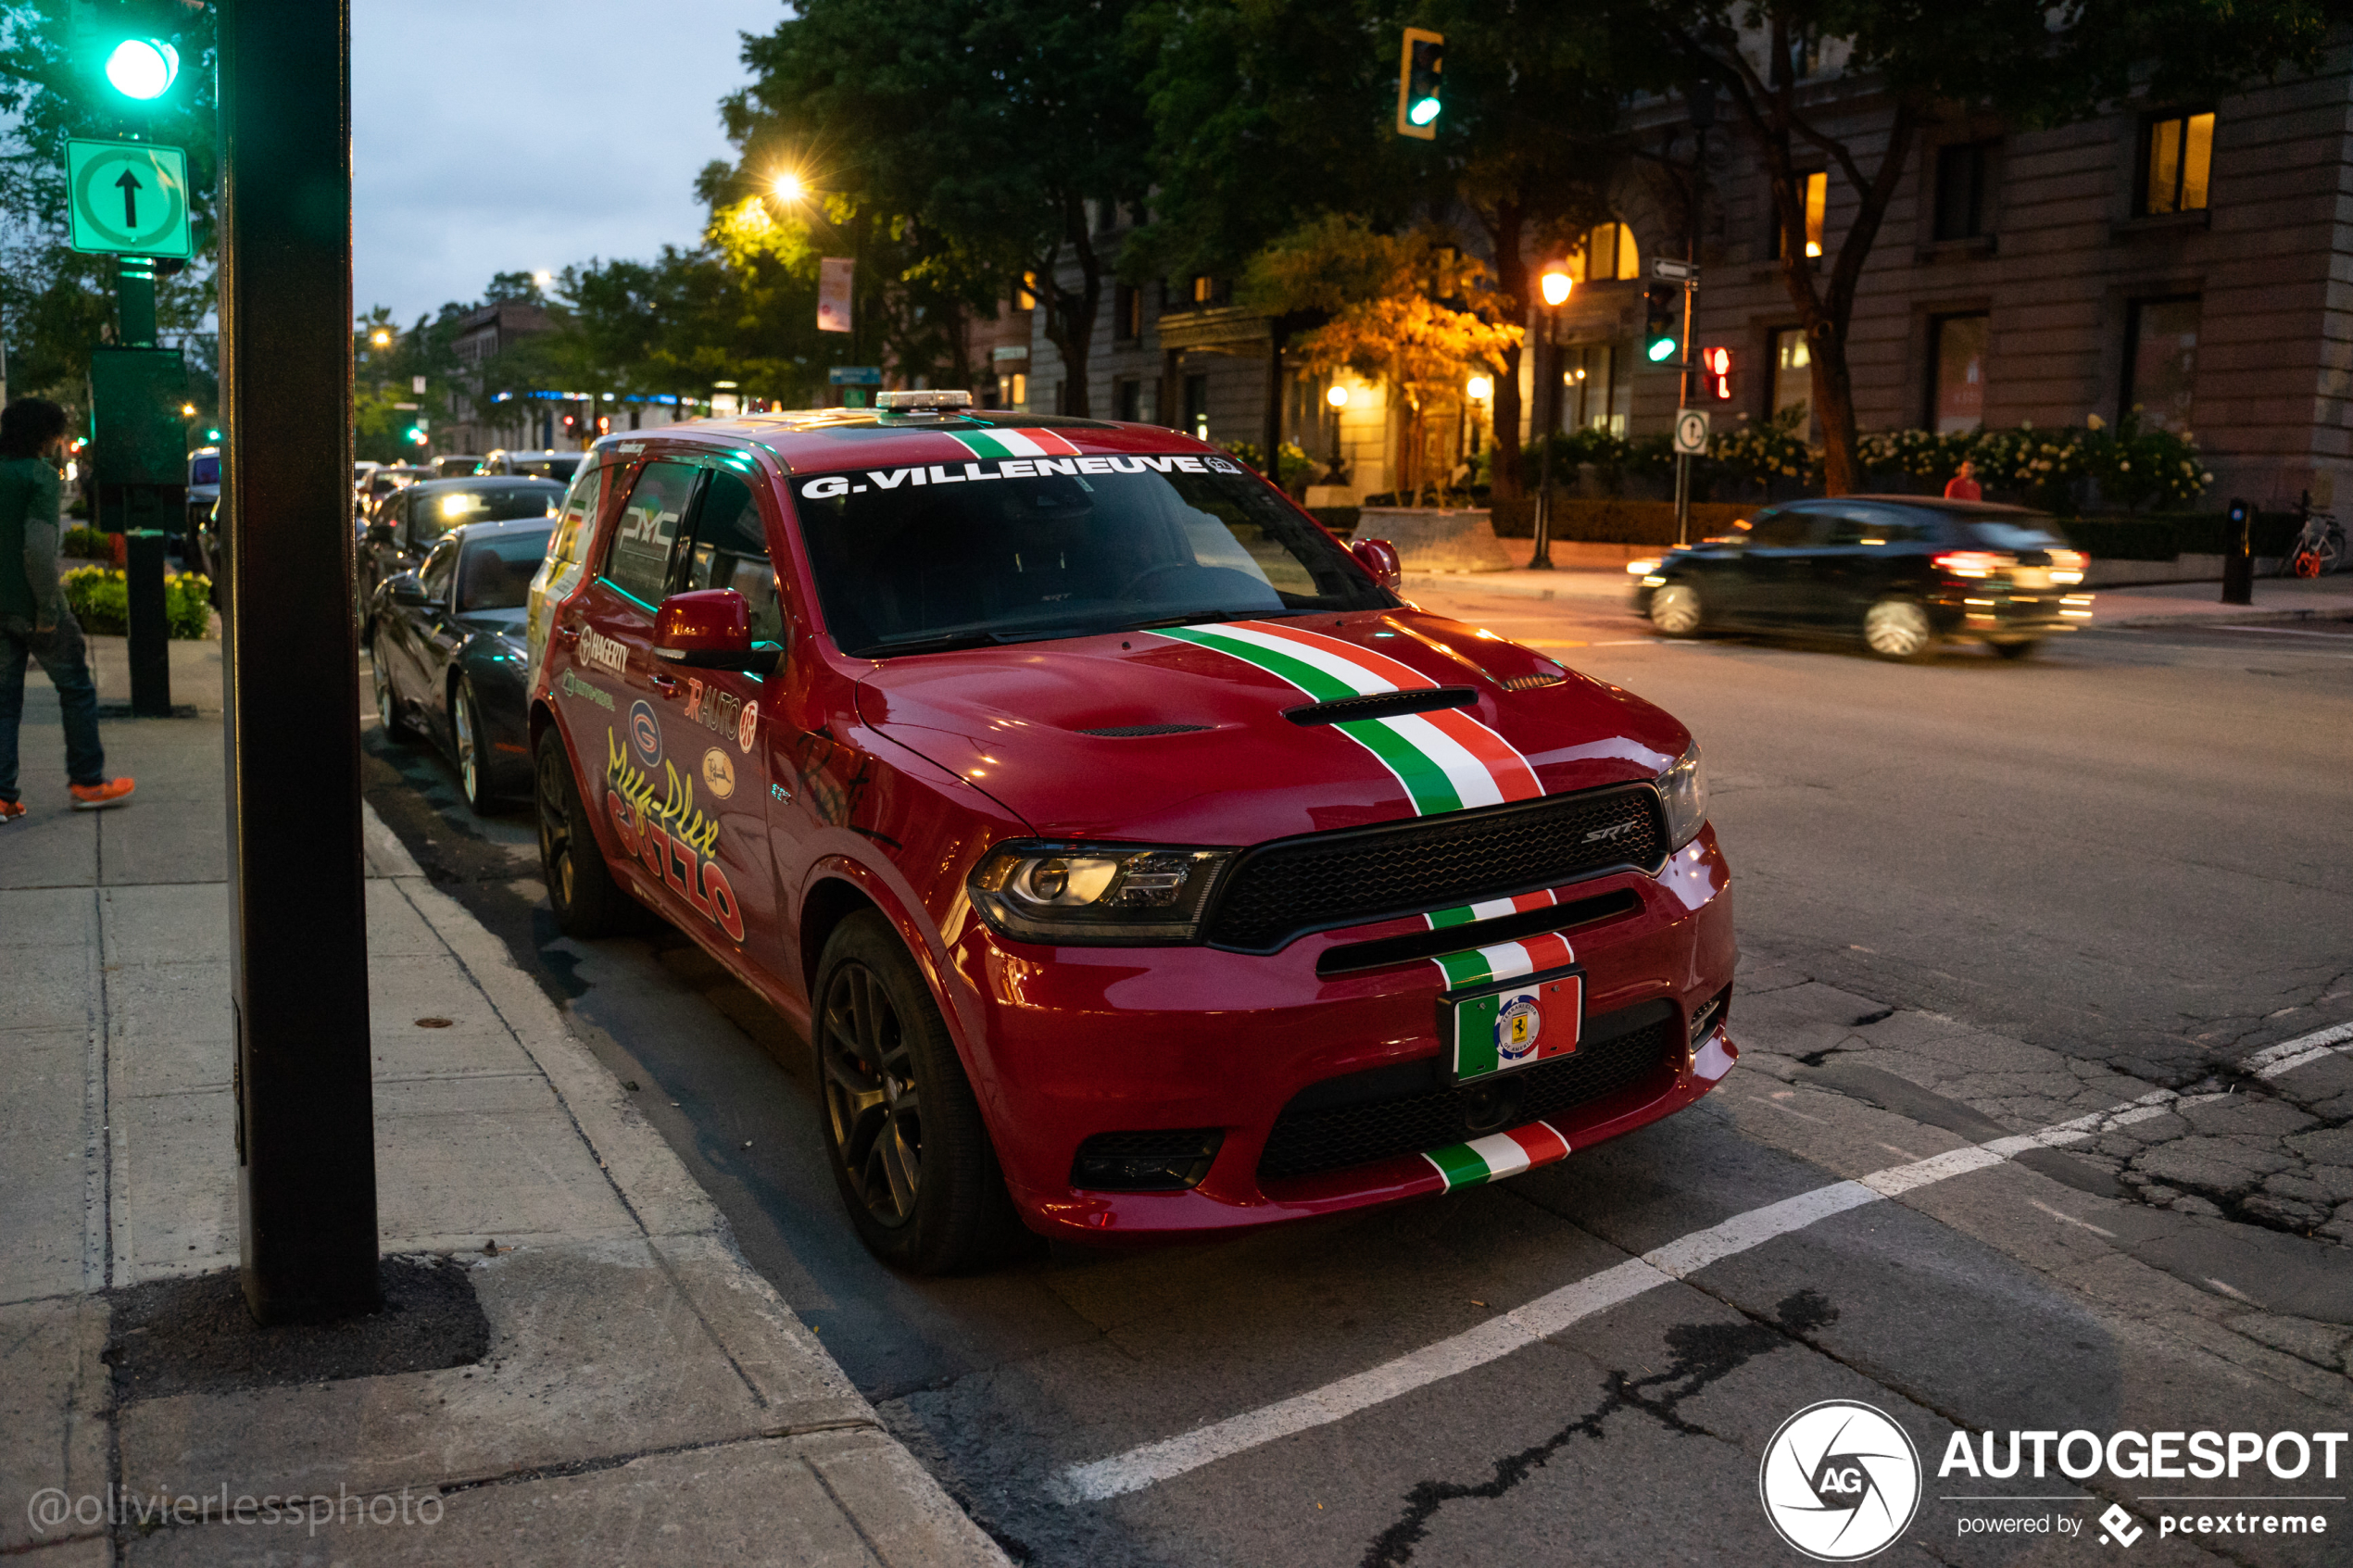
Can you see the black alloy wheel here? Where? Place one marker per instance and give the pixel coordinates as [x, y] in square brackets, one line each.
[909, 1150]
[587, 899]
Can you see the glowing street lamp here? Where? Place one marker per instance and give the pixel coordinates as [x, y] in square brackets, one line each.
[381, 337]
[1555, 285]
[1336, 397]
[1480, 389]
[788, 186]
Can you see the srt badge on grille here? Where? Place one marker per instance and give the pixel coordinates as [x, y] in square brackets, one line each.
[1601, 835]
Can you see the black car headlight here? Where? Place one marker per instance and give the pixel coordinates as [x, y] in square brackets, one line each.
[1682, 789]
[1105, 894]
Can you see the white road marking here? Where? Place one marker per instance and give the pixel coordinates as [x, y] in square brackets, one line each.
[2289, 1055]
[2069, 1219]
[1548, 1314]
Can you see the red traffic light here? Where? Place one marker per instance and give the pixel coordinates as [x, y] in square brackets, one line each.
[1716, 369]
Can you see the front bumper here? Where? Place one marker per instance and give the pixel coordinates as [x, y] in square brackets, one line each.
[1073, 1042]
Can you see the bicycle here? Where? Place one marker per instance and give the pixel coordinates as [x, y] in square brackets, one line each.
[2319, 547]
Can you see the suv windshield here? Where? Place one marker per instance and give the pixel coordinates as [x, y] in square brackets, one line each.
[908, 562]
[205, 469]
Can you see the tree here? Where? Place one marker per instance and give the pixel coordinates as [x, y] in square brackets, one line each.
[959, 146]
[1411, 311]
[1787, 63]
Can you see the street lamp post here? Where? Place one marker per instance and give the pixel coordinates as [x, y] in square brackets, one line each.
[1555, 284]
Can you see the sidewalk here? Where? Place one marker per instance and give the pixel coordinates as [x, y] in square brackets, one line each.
[643, 1396]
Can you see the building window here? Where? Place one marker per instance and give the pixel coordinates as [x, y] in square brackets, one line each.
[2161, 362]
[1128, 398]
[1956, 373]
[1197, 407]
[1016, 385]
[1204, 291]
[1793, 376]
[1962, 188]
[1596, 393]
[2177, 153]
[1025, 297]
[1814, 196]
[1607, 255]
[1127, 313]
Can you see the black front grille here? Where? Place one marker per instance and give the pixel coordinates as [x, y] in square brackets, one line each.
[1280, 892]
[1314, 1136]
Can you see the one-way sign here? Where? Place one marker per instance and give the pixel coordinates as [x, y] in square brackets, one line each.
[128, 197]
[1667, 270]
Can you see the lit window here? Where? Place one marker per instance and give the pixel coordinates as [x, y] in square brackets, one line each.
[1814, 194]
[1956, 377]
[1792, 375]
[2178, 153]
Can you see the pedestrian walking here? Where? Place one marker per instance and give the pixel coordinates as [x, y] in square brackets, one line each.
[35, 621]
[1963, 486]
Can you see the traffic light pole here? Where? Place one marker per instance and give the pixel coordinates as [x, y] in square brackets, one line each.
[306, 1153]
[1682, 401]
[137, 507]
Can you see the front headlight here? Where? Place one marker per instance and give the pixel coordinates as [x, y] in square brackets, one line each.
[1103, 895]
[1682, 789]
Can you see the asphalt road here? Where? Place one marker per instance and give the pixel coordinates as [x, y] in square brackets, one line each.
[1976, 899]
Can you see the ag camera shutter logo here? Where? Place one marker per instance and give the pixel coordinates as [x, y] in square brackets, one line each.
[1841, 1481]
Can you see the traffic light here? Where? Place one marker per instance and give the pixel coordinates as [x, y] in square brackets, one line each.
[1419, 66]
[131, 45]
[1716, 370]
[1663, 327]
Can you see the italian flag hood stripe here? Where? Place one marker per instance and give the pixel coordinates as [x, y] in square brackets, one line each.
[1498, 1155]
[1445, 760]
[1012, 443]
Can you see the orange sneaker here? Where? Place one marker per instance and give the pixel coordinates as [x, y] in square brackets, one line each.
[99, 796]
[10, 810]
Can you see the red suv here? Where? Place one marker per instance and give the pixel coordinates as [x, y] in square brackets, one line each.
[1136, 861]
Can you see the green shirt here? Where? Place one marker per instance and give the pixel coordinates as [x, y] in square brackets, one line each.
[31, 503]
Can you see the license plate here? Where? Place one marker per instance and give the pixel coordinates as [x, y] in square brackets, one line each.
[1509, 1024]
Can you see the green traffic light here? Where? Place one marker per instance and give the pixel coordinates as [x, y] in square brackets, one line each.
[1423, 112]
[1662, 349]
[212, 435]
[143, 67]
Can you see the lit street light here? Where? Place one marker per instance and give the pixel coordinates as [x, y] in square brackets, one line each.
[788, 186]
[1555, 285]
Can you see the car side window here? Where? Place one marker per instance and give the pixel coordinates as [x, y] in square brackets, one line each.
[638, 562]
[1872, 525]
[1785, 530]
[730, 550]
[435, 573]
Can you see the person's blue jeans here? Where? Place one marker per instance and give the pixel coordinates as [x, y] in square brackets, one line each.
[65, 661]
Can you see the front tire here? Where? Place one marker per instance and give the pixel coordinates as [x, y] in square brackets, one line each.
[473, 751]
[1899, 629]
[388, 719]
[589, 900]
[902, 1128]
[1675, 609]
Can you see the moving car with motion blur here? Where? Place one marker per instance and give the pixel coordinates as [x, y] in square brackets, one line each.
[1904, 573]
[445, 652]
[1137, 862]
[406, 525]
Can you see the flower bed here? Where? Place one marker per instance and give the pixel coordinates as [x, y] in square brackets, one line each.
[101, 599]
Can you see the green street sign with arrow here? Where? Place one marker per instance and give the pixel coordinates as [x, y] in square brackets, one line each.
[128, 197]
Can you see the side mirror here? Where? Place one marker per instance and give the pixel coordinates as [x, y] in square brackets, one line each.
[1379, 557]
[406, 590]
[709, 629]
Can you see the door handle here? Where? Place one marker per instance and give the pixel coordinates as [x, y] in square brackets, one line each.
[569, 633]
[665, 684]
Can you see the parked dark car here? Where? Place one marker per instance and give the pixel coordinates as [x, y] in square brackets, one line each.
[1903, 573]
[544, 463]
[447, 644]
[406, 525]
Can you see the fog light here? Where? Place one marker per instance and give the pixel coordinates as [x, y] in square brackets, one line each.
[1153, 1160]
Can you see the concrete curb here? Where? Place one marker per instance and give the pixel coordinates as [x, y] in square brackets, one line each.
[2237, 615]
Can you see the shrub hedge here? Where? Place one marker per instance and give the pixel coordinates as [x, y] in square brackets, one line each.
[101, 600]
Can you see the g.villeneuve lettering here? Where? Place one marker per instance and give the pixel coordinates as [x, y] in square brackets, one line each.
[829, 486]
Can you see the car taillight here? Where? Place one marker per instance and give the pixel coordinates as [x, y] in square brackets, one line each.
[2066, 566]
[1970, 563]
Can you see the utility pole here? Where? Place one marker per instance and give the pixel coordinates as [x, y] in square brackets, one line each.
[299, 934]
[1701, 96]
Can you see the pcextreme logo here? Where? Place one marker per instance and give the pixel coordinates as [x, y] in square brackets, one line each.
[1841, 1481]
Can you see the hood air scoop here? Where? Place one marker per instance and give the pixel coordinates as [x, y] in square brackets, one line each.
[1382, 705]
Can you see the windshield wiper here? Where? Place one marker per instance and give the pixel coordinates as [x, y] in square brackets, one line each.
[946, 641]
[1196, 618]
